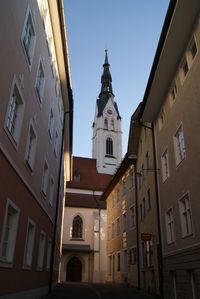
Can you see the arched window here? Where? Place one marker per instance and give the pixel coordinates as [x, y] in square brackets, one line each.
[106, 124]
[109, 146]
[77, 230]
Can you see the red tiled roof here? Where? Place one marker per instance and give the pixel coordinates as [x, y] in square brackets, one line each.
[89, 177]
[84, 201]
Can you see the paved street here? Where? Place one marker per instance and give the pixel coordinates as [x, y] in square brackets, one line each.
[96, 291]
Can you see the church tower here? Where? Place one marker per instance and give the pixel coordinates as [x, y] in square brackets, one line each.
[107, 134]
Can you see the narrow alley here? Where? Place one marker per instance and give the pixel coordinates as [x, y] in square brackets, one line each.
[96, 291]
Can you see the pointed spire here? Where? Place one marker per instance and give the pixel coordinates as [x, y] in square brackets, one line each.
[106, 79]
[106, 57]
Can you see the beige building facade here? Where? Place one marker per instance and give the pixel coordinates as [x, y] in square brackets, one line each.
[35, 126]
[121, 226]
[171, 103]
[140, 148]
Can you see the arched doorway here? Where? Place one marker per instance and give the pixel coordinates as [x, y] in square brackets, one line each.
[74, 270]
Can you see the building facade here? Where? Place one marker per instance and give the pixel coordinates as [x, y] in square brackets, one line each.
[171, 103]
[121, 225]
[141, 150]
[84, 226]
[35, 93]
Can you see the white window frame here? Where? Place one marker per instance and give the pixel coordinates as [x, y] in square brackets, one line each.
[165, 164]
[29, 245]
[51, 123]
[124, 222]
[51, 191]
[41, 250]
[189, 54]
[45, 178]
[169, 221]
[56, 141]
[29, 50]
[113, 230]
[15, 113]
[179, 145]
[132, 256]
[173, 93]
[8, 257]
[49, 248]
[118, 226]
[40, 81]
[185, 215]
[31, 147]
[132, 216]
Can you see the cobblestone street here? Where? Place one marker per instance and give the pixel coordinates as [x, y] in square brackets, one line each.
[96, 291]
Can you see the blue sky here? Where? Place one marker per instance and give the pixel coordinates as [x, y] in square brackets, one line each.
[130, 30]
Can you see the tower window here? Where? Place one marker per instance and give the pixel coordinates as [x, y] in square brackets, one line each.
[106, 124]
[109, 146]
[77, 231]
[112, 125]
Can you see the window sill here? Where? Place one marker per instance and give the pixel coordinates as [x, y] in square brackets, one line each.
[5, 264]
[187, 236]
[77, 239]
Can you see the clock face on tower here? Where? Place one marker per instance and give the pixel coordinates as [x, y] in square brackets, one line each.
[109, 111]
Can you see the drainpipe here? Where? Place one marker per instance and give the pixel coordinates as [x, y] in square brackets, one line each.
[137, 227]
[160, 261]
[53, 250]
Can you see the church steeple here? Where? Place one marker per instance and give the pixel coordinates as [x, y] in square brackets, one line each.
[107, 134]
[106, 79]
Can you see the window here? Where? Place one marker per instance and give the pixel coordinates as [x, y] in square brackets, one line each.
[132, 256]
[109, 265]
[14, 113]
[169, 226]
[113, 230]
[118, 227]
[56, 143]
[124, 222]
[132, 220]
[106, 124]
[193, 49]
[30, 236]
[109, 146]
[49, 254]
[28, 37]
[41, 250]
[40, 80]
[147, 254]
[173, 93]
[51, 193]
[118, 262]
[31, 148]
[147, 162]
[184, 69]
[141, 212]
[9, 232]
[112, 125]
[179, 145]
[77, 230]
[165, 165]
[142, 174]
[51, 123]
[185, 215]
[144, 207]
[148, 199]
[161, 119]
[45, 178]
